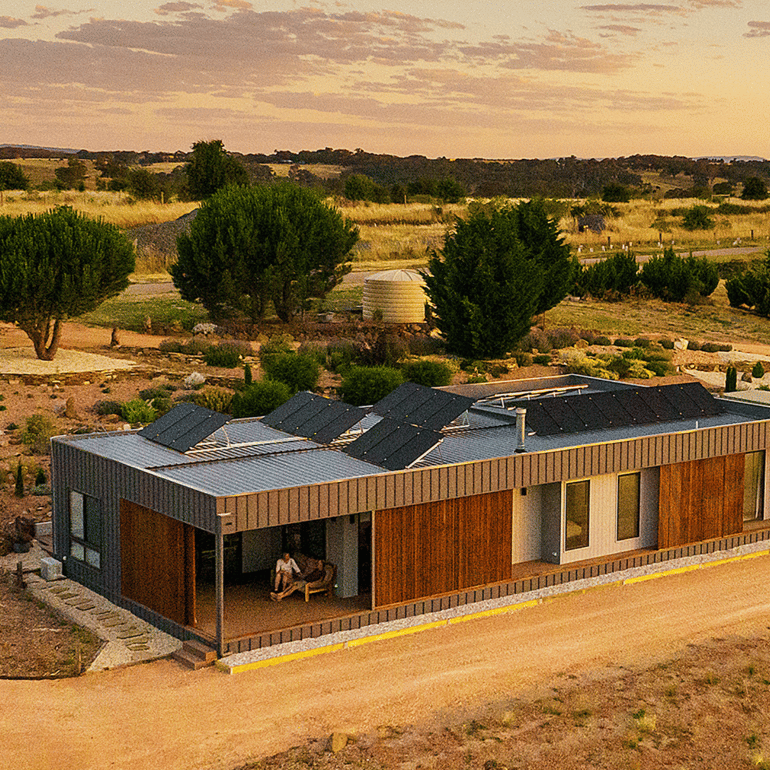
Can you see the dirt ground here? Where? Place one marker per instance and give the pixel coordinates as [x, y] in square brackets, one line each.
[670, 673]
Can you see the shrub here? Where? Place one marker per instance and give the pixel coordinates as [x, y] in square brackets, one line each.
[470, 365]
[623, 342]
[589, 366]
[19, 485]
[542, 359]
[758, 371]
[161, 405]
[340, 354]
[710, 347]
[196, 347]
[276, 346]
[666, 343]
[109, 407]
[698, 218]
[731, 380]
[216, 399]
[40, 477]
[610, 278]
[387, 350]
[752, 287]
[425, 345]
[171, 346]
[562, 338]
[363, 385]
[300, 371]
[535, 339]
[527, 359]
[38, 432]
[315, 350]
[642, 342]
[138, 411]
[248, 377]
[227, 354]
[260, 398]
[693, 345]
[429, 373]
[673, 278]
[161, 391]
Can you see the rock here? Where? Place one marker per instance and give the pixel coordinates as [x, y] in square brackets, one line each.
[70, 412]
[680, 344]
[337, 742]
[194, 380]
[746, 377]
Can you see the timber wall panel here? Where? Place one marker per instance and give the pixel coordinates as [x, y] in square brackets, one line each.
[436, 548]
[700, 500]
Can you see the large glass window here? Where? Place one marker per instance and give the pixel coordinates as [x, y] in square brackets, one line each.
[628, 505]
[85, 529]
[753, 485]
[577, 509]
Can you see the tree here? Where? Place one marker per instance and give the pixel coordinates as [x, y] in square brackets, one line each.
[494, 273]
[12, 177]
[73, 175]
[616, 193]
[251, 246]
[211, 168]
[675, 279]
[360, 188]
[752, 287]
[754, 189]
[58, 265]
[698, 218]
[143, 184]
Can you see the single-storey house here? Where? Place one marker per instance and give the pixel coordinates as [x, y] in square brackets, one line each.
[429, 499]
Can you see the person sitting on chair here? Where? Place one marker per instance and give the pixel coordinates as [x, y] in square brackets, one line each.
[314, 570]
[285, 568]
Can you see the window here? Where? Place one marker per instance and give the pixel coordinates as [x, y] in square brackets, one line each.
[753, 485]
[628, 505]
[85, 529]
[576, 507]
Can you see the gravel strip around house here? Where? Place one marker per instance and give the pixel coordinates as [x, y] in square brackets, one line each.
[407, 625]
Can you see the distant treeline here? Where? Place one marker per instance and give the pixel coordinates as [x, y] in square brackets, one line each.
[557, 177]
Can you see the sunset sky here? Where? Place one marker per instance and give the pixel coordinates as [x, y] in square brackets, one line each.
[477, 78]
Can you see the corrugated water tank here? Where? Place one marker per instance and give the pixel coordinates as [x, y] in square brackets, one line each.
[398, 294]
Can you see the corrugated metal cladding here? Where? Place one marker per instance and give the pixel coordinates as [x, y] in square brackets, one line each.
[410, 487]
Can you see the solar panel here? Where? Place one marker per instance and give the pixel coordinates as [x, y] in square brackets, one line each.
[312, 416]
[621, 408]
[423, 406]
[184, 426]
[393, 445]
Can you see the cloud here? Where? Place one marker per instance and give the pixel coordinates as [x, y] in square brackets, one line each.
[8, 22]
[557, 51]
[179, 7]
[226, 5]
[652, 8]
[758, 29]
[43, 12]
[622, 29]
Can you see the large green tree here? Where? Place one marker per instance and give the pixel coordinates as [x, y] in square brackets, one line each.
[55, 266]
[12, 177]
[754, 189]
[252, 246]
[211, 168]
[497, 270]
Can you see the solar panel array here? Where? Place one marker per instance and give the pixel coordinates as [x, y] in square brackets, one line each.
[184, 426]
[321, 419]
[621, 408]
[422, 406]
[393, 445]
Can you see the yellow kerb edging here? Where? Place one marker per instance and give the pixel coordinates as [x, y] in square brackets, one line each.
[280, 659]
[394, 634]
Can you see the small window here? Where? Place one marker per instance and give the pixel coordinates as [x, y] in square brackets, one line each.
[577, 509]
[628, 505]
[85, 529]
[753, 485]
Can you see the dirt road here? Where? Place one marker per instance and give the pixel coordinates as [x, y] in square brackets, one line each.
[159, 715]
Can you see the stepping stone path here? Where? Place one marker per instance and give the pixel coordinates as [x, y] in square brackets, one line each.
[116, 625]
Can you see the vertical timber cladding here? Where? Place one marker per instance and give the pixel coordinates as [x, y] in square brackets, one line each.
[157, 557]
[436, 548]
[700, 500]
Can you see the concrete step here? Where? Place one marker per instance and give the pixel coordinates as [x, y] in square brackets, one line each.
[195, 655]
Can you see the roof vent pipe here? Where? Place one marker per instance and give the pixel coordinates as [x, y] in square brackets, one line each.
[521, 427]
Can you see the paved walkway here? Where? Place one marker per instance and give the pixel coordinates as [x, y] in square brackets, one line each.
[128, 639]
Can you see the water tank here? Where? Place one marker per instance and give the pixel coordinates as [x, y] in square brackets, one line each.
[399, 294]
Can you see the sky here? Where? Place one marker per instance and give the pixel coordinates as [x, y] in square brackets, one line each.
[456, 78]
